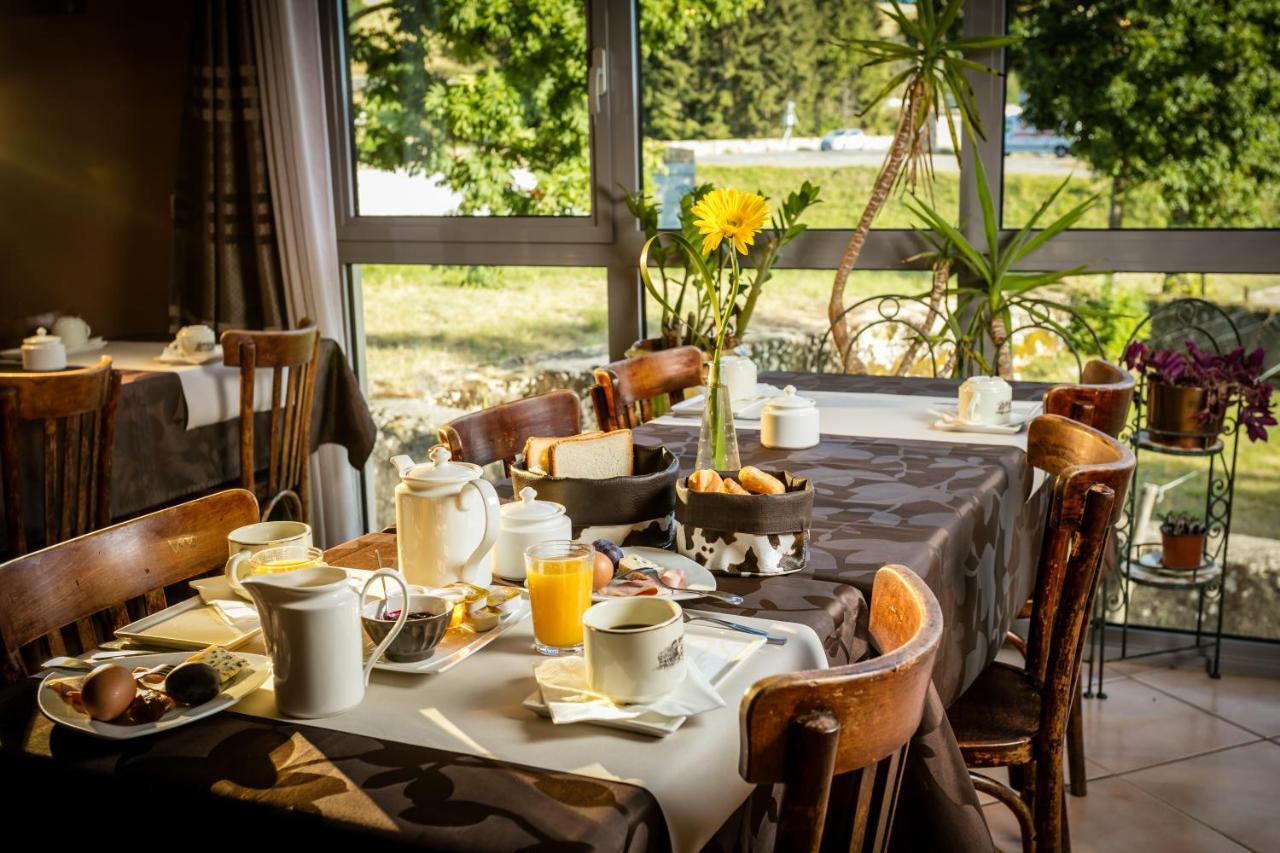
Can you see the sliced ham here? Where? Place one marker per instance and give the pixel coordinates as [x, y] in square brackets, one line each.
[623, 588]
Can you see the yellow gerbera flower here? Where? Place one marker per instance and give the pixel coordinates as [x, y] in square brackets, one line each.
[729, 215]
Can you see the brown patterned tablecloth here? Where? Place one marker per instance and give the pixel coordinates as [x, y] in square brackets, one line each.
[157, 461]
[958, 514]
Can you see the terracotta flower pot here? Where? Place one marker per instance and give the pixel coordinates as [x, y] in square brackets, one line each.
[1182, 552]
[1171, 417]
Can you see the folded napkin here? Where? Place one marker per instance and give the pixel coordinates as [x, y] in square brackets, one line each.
[563, 682]
[237, 614]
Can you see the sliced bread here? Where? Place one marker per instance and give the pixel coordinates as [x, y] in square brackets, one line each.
[537, 450]
[593, 456]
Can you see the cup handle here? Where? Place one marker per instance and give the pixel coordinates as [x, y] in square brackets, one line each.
[970, 411]
[232, 572]
[395, 575]
[492, 525]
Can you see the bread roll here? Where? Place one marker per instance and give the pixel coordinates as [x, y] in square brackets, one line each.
[730, 487]
[759, 483]
[706, 480]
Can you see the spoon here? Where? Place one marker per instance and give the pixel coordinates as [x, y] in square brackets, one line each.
[726, 597]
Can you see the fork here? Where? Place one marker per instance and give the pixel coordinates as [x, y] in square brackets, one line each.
[771, 639]
[162, 671]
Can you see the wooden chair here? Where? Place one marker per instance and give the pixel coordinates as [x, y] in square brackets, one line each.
[84, 585]
[837, 738]
[290, 443]
[625, 390]
[500, 432]
[1101, 400]
[1015, 716]
[76, 410]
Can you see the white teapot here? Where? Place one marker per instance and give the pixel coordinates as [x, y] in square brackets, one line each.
[447, 519]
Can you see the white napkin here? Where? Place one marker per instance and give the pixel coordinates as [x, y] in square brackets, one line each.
[569, 700]
[238, 614]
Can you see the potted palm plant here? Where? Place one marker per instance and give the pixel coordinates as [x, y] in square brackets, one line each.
[1181, 541]
[1189, 392]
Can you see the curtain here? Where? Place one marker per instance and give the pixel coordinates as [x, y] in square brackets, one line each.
[291, 61]
[227, 267]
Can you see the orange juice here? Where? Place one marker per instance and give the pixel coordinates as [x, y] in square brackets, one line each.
[559, 593]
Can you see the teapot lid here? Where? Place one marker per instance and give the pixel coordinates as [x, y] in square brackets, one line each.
[41, 338]
[529, 508]
[439, 470]
[789, 401]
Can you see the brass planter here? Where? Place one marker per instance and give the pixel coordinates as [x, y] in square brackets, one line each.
[1171, 417]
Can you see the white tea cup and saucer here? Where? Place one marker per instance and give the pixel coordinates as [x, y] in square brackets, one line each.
[985, 401]
[192, 345]
[75, 334]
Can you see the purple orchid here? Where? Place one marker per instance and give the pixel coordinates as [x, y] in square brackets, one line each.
[1227, 380]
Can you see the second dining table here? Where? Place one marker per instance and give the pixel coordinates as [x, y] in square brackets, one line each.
[454, 763]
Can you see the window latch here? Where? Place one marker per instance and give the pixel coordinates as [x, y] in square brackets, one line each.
[597, 81]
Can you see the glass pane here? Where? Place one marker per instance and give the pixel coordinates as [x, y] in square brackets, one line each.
[442, 341]
[758, 95]
[1170, 113]
[466, 109]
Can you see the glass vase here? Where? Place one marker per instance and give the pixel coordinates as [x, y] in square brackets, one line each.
[717, 440]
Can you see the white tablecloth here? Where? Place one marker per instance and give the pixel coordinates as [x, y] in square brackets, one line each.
[211, 390]
[475, 708]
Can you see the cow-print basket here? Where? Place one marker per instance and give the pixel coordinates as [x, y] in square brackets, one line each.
[746, 534]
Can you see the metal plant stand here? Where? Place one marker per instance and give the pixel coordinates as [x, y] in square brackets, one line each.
[1138, 561]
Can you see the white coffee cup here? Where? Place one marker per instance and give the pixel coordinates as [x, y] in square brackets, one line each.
[73, 331]
[196, 340]
[986, 400]
[634, 648]
[244, 542]
[738, 373]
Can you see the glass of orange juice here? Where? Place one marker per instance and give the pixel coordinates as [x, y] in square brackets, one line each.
[284, 558]
[558, 575]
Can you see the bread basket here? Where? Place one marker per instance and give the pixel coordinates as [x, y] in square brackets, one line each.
[746, 534]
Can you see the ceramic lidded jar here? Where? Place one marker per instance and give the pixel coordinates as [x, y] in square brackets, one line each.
[789, 422]
[527, 522]
[43, 351]
[447, 519]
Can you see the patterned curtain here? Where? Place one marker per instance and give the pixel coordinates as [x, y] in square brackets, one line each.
[227, 264]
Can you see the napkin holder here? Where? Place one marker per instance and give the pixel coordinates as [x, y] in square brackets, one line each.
[746, 534]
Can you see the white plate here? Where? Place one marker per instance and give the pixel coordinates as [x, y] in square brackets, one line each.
[949, 420]
[189, 624]
[748, 408]
[460, 643]
[245, 682]
[697, 577]
[165, 358]
[657, 725]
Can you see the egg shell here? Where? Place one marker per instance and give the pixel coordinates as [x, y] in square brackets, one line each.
[602, 571]
[108, 691]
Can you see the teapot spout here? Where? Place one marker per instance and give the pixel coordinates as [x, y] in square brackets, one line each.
[402, 463]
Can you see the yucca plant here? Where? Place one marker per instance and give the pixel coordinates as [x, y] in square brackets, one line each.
[931, 73]
[984, 309]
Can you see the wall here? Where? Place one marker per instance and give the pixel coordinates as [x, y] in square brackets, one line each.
[90, 110]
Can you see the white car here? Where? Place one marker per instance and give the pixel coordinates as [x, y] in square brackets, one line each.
[845, 139]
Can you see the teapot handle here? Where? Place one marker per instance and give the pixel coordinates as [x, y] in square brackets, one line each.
[400, 620]
[492, 526]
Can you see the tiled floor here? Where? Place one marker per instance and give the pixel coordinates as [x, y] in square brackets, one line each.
[1176, 762]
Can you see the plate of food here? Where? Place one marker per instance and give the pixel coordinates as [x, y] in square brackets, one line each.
[153, 693]
[637, 570]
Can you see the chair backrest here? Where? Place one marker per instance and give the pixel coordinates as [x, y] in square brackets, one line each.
[1090, 473]
[85, 584]
[1101, 400]
[76, 411]
[625, 390]
[837, 738]
[291, 356]
[500, 432]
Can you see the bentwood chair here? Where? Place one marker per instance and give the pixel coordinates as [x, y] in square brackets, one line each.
[837, 738]
[74, 594]
[291, 357]
[625, 390]
[76, 414]
[499, 432]
[1101, 400]
[1016, 716]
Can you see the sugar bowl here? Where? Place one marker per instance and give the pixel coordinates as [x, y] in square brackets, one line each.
[527, 521]
[789, 422]
[43, 351]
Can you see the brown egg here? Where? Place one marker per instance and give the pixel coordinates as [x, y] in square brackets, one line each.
[107, 691]
[602, 571]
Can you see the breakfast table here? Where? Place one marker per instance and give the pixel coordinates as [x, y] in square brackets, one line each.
[453, 760]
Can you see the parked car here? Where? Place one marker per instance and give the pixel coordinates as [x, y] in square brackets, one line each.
[845, 139]
[1022, 137]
